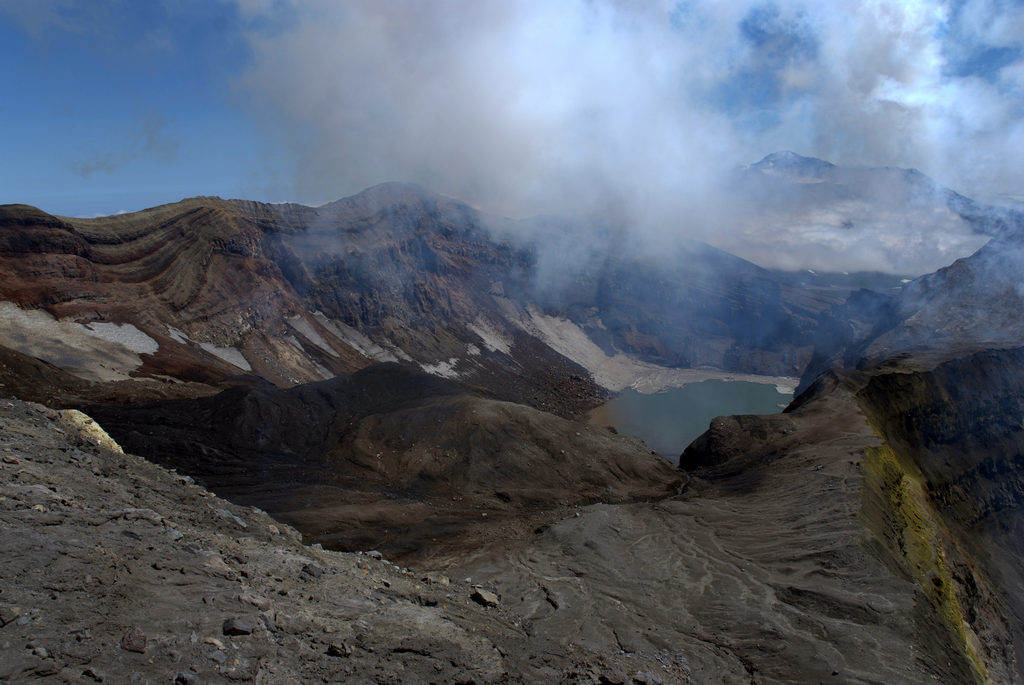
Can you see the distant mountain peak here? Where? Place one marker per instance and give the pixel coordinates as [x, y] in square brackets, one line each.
[790, 163]
[390, 194]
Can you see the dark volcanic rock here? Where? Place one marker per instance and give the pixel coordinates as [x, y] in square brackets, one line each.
[761, 566]
[485, 598]
[942, 497]
[771, 576]
[296, 294]
[134, 640]
[237, 626]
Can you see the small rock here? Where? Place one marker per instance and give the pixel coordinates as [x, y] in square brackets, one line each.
[613, 677]
[8, 459]
[8, 614]
[213, 641]
[485, 598]
[312, 570]
[269, 623]
[41, 652]
[339, 650]
[185, 678]
[134, 640]
[237, 626]
[219, 656]
[224, 513]
[93, 674]
[374, 554]
[45, 670]
[261, 603]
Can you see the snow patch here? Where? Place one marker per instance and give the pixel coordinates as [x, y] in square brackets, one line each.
[305, 328]
[294, 342]
[786, 388]
[472, 350]
[326, 374]
[178, 335]
[382, 352]
[124, 334]
[356, 340]
[398, 352]
[444, 369]
[622, 371]
[66, 344]
[229, 354]
[492, 339]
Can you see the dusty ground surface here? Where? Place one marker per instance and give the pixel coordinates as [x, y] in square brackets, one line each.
[759, 573]
[116, 570]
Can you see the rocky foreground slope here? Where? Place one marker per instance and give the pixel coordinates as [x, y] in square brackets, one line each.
[116, 570]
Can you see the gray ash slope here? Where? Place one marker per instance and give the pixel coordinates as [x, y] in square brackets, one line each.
[761, 571]
[116, 570]
[775, 564]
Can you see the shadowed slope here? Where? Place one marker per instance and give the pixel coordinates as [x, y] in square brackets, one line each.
[390, 458]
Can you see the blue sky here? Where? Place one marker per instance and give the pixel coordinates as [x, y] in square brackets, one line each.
[519, 107]
[119, 106]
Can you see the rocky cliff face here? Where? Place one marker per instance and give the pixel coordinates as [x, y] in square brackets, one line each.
[956, 431]
[940, 497]
[972, 305]
[868, 534]
[205, 290]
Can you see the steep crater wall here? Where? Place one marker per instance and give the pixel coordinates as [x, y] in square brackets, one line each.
[954, 452]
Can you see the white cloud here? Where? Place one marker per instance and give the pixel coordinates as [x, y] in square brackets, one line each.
[630, 109]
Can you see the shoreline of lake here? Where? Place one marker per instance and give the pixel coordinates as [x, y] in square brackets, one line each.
[670, 419]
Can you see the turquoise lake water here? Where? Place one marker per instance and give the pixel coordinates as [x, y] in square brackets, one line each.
[669, 421]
